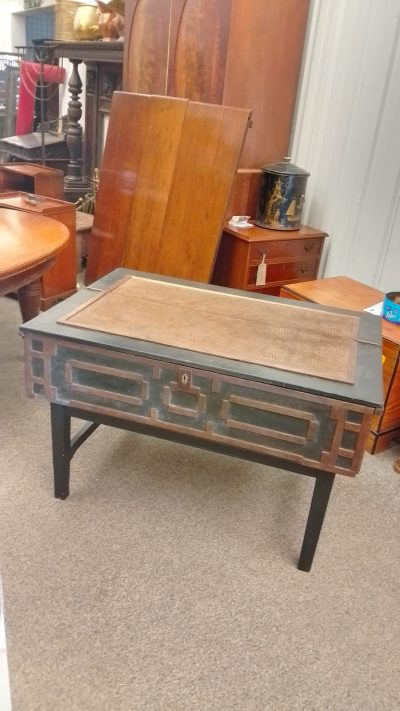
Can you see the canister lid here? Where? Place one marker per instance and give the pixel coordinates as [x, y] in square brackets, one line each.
[284, 167]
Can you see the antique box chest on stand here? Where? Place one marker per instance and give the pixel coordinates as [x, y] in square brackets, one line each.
[257, 377]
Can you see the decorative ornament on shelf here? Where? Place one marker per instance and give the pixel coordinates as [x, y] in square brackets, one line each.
[116, 6]
[107, 26]
[86, 23]
[111, 20]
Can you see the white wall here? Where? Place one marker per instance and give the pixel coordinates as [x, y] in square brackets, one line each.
[7, 7]
[12, 22]
[347, 134]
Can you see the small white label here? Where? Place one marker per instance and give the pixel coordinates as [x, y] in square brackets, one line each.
[261, 278]
[234, 222]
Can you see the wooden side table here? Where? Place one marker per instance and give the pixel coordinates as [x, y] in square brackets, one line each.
[289, 256]
[60, 280]
[346, 293]
[28, 246]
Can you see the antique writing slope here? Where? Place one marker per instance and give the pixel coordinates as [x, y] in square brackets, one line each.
[165, 182]
[225, 324]
[135, 351]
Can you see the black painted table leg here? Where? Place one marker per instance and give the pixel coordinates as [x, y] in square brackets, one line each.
[64, 449]
[319, 504]
[61, 441]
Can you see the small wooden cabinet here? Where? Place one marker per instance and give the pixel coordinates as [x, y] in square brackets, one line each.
[32, 178]
[289, 257]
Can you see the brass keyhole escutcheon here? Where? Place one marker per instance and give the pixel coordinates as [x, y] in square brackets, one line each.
[184, 379]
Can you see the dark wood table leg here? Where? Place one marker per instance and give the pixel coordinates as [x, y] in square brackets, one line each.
[396, 465]
[61, 442]
[29, 300]
[319, 504]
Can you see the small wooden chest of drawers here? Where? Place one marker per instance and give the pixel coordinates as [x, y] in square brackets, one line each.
[289, 257]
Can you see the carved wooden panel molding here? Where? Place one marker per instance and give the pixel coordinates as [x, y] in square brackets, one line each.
[311, 430]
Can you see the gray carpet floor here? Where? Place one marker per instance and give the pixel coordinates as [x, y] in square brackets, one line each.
[168, 580]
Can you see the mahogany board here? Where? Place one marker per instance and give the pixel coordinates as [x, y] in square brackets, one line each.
[280, 335]
[165, 181]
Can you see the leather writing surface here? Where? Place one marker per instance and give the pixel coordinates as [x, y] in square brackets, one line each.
[280, 335]
[165, 182]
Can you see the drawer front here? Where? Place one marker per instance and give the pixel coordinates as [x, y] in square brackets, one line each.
[286, 249]
[213, 407]
[285, 272]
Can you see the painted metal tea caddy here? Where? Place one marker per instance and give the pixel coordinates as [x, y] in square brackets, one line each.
[281, 198]
[391, 307]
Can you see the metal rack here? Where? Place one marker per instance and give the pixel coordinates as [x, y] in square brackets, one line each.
[44, 142]
[9, 90]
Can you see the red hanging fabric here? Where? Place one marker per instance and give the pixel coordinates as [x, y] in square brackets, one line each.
[30, 73]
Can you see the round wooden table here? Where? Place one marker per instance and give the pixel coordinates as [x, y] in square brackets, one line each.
[28, 246]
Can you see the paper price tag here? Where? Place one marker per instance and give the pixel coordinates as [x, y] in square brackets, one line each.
[261, 278]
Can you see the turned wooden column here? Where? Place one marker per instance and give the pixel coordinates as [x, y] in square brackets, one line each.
[103, 62]
[74, 181]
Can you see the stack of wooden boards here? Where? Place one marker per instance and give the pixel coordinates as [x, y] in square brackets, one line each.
[165, 181]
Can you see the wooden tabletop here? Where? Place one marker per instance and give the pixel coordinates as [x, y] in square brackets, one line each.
[366, 388]
[344, 293]
[264, 234]
[27, 240]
